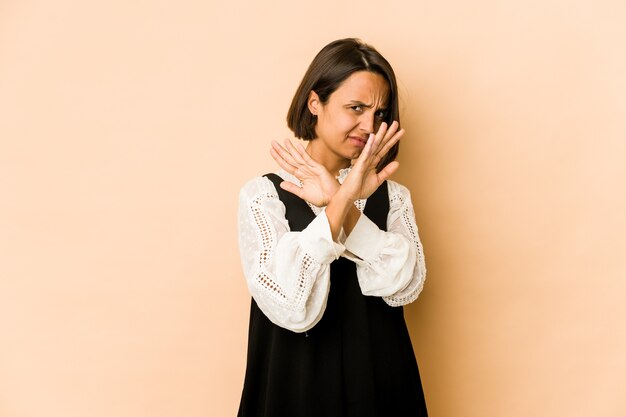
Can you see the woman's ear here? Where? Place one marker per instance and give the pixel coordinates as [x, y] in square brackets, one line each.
[314, 103]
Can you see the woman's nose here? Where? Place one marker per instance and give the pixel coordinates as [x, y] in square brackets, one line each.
[367, 122]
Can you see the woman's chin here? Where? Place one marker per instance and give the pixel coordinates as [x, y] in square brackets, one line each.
[356, 154]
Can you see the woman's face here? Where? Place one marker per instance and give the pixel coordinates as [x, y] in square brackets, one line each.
[351, 113]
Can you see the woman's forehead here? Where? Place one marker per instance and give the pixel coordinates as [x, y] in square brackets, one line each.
[364, 86]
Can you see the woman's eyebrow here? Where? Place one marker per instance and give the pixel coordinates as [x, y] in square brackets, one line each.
[360, 103]
[367, 106]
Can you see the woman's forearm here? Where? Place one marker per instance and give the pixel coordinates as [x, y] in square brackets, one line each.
[341, 213]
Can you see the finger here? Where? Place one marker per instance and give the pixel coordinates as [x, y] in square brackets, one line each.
[389, 133]
[388, 171]
[305, 155]
[382, 129]
[363, 158]
[277, 152]
[390, 143]
[379, 136]
[284, 153]
[385, 132]
[283, 164]
[294, 153]
[292, 188]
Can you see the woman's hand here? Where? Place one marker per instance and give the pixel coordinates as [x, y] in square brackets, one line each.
[318, 185]
[363, 179]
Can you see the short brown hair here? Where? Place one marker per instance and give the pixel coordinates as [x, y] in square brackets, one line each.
[330, 67]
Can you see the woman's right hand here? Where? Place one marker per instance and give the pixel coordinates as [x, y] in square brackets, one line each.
[318, 185]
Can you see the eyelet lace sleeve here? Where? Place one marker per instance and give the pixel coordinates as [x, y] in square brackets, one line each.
[288, 273]
[389, 264]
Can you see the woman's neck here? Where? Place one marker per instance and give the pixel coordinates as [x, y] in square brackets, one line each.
[330, 160]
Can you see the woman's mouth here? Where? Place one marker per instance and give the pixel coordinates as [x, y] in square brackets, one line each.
[357, 141]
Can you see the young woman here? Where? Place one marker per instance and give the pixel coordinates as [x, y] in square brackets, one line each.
[331, 253]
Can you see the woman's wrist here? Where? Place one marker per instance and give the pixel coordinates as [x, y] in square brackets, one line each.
[343, 197]
[333, 191]
[351, 219]
[337, 210]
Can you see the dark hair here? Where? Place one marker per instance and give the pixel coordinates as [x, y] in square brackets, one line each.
[330, 67]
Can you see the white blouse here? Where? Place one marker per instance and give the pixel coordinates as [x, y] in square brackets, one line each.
[288, 273]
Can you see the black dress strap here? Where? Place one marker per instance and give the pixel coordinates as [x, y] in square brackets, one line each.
[298, 212]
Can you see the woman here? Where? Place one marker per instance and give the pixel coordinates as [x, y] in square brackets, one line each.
[330, 252]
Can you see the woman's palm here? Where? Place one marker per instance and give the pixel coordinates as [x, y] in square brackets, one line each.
[318, 185]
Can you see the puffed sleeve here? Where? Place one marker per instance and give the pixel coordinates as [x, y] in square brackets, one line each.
[287, 273]
[390, 264]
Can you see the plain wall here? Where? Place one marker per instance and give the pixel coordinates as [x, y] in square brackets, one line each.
[127, 129]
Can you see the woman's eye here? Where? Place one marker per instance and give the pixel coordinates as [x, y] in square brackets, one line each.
[357, 109]
[381, 114]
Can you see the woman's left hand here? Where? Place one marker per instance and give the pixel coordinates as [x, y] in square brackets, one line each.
[318, 185]
[363, 179]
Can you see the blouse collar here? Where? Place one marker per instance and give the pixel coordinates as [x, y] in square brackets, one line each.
[343, 173]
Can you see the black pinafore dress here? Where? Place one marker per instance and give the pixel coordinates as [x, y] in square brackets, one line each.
[357, 361]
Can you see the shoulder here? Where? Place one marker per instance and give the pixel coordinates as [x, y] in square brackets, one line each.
[262, 191]
[259, 199]
[262, 185]
[398, 193]
[257, 187]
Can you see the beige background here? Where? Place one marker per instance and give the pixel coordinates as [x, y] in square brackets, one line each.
[127, 129]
